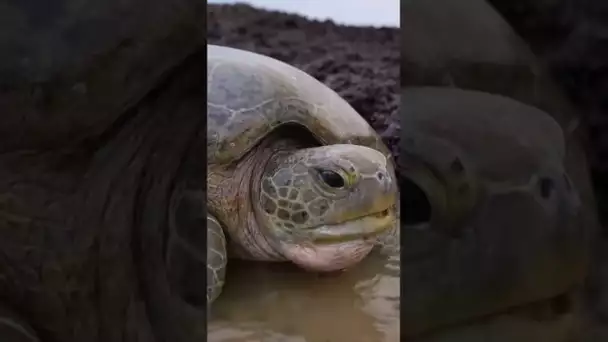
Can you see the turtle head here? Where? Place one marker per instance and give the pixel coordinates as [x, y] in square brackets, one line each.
[325, 206]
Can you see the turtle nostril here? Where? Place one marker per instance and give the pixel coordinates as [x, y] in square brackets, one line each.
[380, 175]
[383, 213]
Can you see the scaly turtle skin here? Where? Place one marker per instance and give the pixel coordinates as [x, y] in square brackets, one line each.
[294, 173]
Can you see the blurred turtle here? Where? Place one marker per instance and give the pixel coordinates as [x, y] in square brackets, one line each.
[500, 224]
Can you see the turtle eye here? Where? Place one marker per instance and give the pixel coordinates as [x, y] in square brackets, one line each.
[332, 178]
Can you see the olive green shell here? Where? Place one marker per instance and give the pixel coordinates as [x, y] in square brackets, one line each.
[250, 95]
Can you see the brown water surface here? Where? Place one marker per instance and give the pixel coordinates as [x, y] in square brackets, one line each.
[272, 302]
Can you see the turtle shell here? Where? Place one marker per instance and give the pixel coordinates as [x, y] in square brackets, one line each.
[250, 95]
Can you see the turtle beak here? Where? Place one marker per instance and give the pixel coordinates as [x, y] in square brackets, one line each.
[365, 228]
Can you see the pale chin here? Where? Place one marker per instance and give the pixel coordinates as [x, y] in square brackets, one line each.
[327, 257]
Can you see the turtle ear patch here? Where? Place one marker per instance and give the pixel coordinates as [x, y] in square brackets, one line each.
[300, 217]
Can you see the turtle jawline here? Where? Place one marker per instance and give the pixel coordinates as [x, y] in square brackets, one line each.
[361, 228]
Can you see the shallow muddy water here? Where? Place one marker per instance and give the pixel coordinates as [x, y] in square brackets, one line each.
[269, 302]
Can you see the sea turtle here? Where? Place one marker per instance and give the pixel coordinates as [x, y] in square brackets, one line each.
[294, 172]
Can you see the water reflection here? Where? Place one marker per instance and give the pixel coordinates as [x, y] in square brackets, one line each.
[267, 302]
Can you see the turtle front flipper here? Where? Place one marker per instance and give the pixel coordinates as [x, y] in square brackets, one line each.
[216, 258]
[14, 329]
